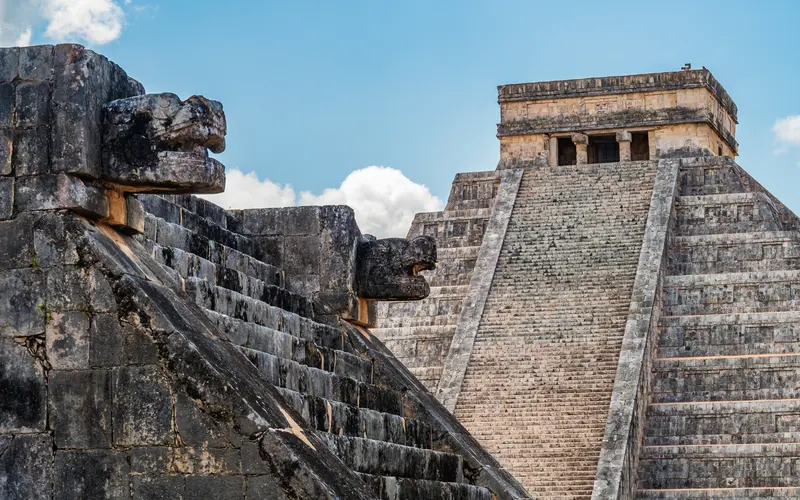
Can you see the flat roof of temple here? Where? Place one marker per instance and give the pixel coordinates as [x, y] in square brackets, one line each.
[646, 82]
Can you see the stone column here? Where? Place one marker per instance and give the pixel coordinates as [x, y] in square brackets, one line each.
[553, 153]
[624, 140]
[581, 142]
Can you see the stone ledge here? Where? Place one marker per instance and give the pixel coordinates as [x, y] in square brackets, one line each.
[646, 82]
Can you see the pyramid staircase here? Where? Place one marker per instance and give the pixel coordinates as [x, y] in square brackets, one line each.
[317, 368]
[724, 417]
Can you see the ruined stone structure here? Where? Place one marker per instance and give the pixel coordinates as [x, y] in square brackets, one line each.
[616, 308]
[156, 346]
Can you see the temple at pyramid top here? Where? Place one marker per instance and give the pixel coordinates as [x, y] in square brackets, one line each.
[683, 113]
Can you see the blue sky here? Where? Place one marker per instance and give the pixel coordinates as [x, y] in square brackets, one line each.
[316, 90]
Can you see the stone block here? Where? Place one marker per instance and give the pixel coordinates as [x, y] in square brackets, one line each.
[99, 292]
[9, 64]
[6, 149]
[67, 288]
[138, 348]
[80, 406]
[23, 390]
[22, 302]
[67, 340]
[74, 138]
[259, 487]
[202, 460]
[80, 475]
[73, 288]
[49, 192]
[302, 220]
[163, 487]
[269, 249]
[26, 467]
[151, 459]
[52, 243]
[252, 463]
[106, 341]
[216, 487]
[194, 427]
[136, 424]
[36, 62]
[73, 62]
[259, 221]
[32, 104]
[16, 243]
[134, 215]
[6, 197]
[301, 255]
[6, 104]
[32, 151]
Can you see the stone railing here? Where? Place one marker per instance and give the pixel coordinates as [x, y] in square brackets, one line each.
[617, 467]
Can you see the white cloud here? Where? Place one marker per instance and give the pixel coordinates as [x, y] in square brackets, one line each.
[24, 38]
[384, 199]
[247, 191]
[787, 131]
[93, 21]
[16, 19]
[96, 21]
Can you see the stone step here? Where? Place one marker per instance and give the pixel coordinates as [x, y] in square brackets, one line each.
[212, 253]
[724, 422]
[300, 350]
[764, 291]
[452, 215]
[341, 387]
[289, 370]
[720, 493]
[392, 488]
[417, 321]
[720, 466]
[726, 213]
[259, 310]
[185, 209]
[726, 378]
[734, 252]
[204, 242]
[241, 332]
[729, 334]
[380, 458]
[191, 266]
[706, 178]
[348, 420]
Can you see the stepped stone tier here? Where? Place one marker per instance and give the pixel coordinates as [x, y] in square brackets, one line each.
[156, 346]
[615, 311]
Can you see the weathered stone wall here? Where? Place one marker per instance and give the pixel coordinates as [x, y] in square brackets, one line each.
[538, 384]
[172, 353]
[723, 416]
[420, 333]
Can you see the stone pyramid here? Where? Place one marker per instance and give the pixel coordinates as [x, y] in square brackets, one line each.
[616, 309]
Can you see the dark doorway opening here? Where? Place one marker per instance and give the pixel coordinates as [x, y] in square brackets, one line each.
[603, 149]
[640, 146]
[567, 154]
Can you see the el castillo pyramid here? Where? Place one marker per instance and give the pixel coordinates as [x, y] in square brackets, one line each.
[615, 311]
[609, 314]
